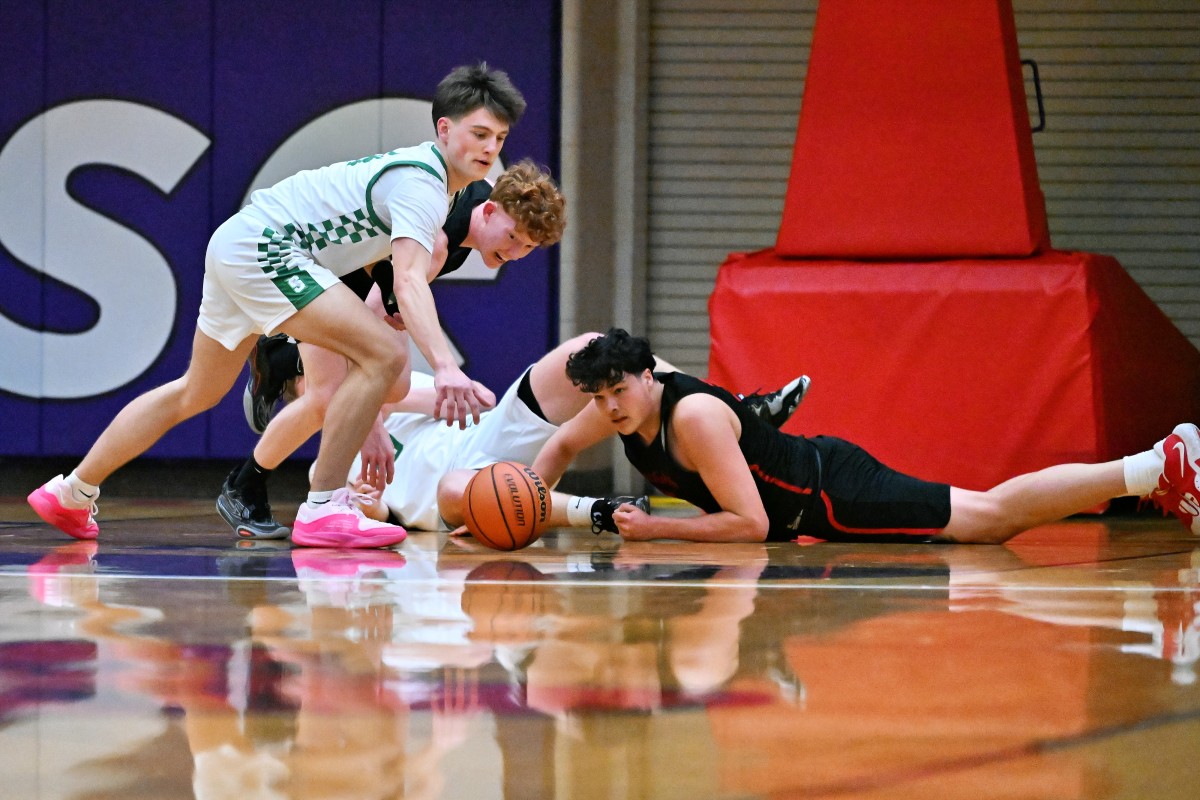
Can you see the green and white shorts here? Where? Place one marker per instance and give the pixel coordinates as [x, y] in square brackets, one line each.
[255, 277]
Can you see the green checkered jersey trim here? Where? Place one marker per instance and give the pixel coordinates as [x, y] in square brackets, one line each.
[284, 241]
[274, 256]
[360, 224]
[353, 228]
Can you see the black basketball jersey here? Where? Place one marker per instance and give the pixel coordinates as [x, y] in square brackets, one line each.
[785, 467]
[456, 227]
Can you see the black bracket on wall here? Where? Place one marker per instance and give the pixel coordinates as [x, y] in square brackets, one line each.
[1037, 88]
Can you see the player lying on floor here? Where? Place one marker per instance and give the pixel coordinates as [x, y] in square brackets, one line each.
[697, 442]
[434, 462]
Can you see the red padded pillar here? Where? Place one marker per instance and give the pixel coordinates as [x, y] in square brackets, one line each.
[914, 138]
[965, 371]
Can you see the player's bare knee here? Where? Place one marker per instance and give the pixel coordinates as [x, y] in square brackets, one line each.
[384, 360]
[978, 518]
[450, 495]
[193, 397]
[317, 403]
[400, 387]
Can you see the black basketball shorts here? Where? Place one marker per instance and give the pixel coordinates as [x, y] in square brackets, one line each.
[861, 498]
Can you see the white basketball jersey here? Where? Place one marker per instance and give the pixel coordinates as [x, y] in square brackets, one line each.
[345, 215]
[427, 448]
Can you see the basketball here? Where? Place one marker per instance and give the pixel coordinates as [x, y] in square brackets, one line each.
[506, 506]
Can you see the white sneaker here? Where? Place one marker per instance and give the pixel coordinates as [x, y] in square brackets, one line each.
[777, 407]
[340, 523]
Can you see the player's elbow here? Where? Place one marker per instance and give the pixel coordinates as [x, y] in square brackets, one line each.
[735, 527]
[754, 528]
[406, 283]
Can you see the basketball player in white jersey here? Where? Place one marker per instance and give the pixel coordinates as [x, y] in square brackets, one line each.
[505, 222]
[274, 266]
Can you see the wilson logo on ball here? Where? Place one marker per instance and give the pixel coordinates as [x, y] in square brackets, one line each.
[506, 505]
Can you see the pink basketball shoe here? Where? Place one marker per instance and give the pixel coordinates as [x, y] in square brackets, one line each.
[339, 523]
[52, 502]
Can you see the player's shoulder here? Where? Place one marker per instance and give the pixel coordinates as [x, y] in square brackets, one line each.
[700, 408]
[421, 163]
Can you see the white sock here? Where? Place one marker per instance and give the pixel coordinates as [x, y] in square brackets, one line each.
[319, 498]
[1141, 473]
[82, 493]
[579, 511]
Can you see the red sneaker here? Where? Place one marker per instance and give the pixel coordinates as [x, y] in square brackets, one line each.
[50, 503]
[1178, 489]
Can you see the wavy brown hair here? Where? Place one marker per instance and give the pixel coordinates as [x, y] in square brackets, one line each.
[528, 194]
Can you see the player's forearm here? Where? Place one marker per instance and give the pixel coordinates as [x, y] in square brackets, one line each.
[419, 400]
[723, 526]
[415, 301]
[552, 462]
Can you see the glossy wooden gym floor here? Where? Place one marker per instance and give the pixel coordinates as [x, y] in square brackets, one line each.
[170, 661]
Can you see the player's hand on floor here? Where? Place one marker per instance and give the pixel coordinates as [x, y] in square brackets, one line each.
[633, 524]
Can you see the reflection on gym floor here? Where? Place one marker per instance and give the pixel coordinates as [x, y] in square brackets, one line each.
[169, 661]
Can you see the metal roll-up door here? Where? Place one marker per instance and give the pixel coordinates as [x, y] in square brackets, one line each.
[725, 81]
[1119, 160]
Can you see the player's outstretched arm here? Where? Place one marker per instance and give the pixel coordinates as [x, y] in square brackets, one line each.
[587, 428]
[423, 399]
[457, 397]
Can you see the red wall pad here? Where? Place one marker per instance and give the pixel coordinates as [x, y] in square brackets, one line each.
[914, 138]
[969, 371]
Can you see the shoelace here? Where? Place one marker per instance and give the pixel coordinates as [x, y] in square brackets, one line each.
[93, 508]
[354, 499]
[254, 498]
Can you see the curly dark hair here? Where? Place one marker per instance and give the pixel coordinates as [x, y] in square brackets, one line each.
[606, 359]
[478, 86]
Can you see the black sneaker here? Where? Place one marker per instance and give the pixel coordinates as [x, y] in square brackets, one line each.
[267, 382]
[603, 508]
[777, 407]
[247, 511]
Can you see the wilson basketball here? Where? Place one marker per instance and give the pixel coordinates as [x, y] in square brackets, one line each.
[506, 505]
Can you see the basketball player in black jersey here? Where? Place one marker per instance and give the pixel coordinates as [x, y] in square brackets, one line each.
[523, 211]
[697, 442]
